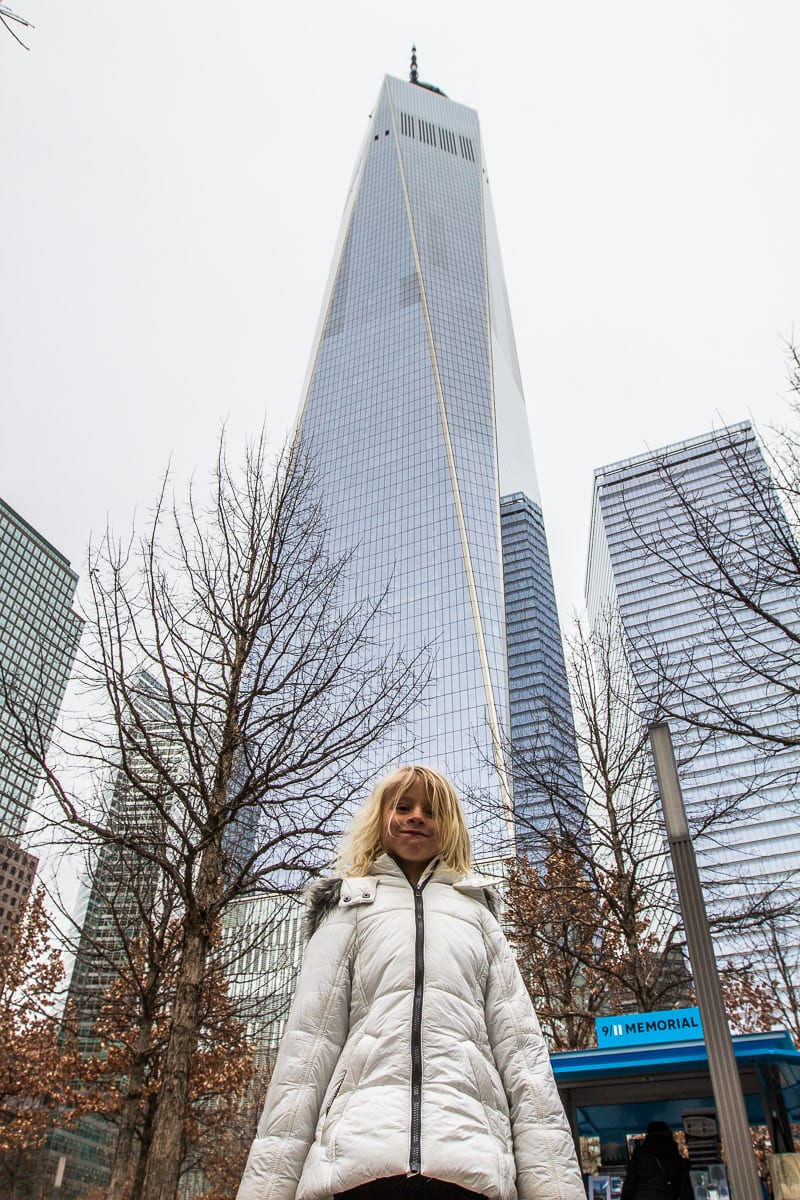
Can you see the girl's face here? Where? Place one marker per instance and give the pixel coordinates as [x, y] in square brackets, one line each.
[410, 833]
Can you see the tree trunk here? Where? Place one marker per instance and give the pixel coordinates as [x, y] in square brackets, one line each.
[144, 1146]
[164, 1160]
[124, 1150]
[162, 1172]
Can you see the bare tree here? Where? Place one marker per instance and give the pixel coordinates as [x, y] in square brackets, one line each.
[592, 906]
[273, 687]
[120, 986]
[608, 831]
[733, 550]
[132, 1033]
[717, 544]
[126, 947]
[774, 960]
[722, 543]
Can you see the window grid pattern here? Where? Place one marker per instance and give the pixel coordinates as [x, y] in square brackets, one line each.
[451, 245]
[760, 847]
[117, 888]
[39, 636]
[373, 422]
[374, 418]
[541, 713]
[17, 872]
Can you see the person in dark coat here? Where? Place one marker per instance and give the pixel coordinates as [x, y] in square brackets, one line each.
[658, 1170]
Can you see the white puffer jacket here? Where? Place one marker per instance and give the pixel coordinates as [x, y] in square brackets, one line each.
[411, 1047]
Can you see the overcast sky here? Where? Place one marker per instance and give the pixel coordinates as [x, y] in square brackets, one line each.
[173, 178]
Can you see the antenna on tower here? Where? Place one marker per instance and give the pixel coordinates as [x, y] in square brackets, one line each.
[413, 76]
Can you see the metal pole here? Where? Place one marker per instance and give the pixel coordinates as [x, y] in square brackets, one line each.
[725, 1082]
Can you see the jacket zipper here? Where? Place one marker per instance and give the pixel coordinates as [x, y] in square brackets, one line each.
[415, 1151]
[336, 1091]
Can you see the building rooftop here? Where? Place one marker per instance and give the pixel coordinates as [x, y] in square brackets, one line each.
[414, 78]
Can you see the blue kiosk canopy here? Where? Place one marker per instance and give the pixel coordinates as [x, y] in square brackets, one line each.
[608, 1091]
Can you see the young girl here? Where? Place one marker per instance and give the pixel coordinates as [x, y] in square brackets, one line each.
[412, 1063]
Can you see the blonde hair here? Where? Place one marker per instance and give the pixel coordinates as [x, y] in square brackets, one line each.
[363, 842]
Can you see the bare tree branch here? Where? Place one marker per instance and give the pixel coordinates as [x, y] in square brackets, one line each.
[244, 690]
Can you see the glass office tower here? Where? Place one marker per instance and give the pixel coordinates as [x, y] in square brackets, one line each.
[640, 533]
[39, 636]
[118, 888]
[414, 413]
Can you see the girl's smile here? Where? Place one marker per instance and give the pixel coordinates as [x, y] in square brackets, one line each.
[410, 832]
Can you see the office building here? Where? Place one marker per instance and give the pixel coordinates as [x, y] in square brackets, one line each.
[39, 636]
[645, 561]
[413, 411]
[541, 721]
[123, 898]
[17, 873]
[263, 935]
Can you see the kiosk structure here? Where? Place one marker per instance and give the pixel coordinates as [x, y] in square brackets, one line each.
[613, 1094]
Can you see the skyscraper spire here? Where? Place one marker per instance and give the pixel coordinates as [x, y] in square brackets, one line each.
[413, 76]
[413, 73]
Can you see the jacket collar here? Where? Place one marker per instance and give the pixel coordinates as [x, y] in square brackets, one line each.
[386, 865]
[326, 894]
[471, 882]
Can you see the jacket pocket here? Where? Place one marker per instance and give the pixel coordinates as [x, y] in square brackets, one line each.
[331, 1122]
[337, 1087]
[487, 1082]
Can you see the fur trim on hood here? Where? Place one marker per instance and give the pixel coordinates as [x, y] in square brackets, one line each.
[321, 897]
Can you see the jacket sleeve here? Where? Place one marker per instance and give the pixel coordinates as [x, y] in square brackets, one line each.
[544, 1152]
[315, 1034]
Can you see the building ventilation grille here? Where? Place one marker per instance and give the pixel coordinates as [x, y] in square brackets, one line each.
[434, 135]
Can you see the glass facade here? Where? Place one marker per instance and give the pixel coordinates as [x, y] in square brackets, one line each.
[39, 636]
[541, 713]
[117, 889]
[414, 416]
[637, 531]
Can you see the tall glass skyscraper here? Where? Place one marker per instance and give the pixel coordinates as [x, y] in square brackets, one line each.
[645, 559]
[122, 897]
[414, 414]
[39, 636]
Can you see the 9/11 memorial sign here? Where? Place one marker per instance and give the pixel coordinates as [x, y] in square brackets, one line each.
[647, 1029]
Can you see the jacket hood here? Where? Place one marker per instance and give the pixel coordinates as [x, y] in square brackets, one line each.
[325, 894]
